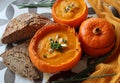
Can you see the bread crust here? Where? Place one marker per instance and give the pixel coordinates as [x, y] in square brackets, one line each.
[23, 27]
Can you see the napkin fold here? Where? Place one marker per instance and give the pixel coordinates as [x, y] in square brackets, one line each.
[112, 64]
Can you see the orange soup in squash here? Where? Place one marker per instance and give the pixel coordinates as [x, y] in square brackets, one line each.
[55, 48]
[70, 12]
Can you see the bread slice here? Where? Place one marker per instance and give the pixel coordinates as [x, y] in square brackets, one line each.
[17, 60]
[23, 27]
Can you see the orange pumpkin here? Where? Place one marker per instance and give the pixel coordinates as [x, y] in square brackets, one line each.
[97, 36]
[70, 12]
[55, 48]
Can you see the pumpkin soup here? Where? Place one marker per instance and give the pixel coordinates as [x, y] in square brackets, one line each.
[70, 12]
[55, 48]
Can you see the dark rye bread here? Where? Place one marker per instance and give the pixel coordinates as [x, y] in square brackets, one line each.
[23, 27]
[18, 61]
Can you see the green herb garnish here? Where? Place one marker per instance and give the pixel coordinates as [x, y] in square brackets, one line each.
[56, 46]
[84, 78]
[44, 3]
[69, 7]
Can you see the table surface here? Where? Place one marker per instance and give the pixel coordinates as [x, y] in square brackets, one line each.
[6, 14]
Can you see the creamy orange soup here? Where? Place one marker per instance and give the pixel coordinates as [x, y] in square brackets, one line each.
[55, 57]
[69, 9]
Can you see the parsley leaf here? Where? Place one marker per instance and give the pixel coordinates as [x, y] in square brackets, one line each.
[56, 46]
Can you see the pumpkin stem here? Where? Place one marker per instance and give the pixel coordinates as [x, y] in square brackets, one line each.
[96, 31]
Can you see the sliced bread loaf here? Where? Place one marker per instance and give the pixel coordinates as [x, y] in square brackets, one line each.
[23, 27]
[18, 61]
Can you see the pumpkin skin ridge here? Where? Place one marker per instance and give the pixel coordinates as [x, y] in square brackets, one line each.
[75, 22]
[55, 68]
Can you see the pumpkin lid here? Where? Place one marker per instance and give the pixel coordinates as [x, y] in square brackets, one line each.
[55, 48]
[97, 33]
